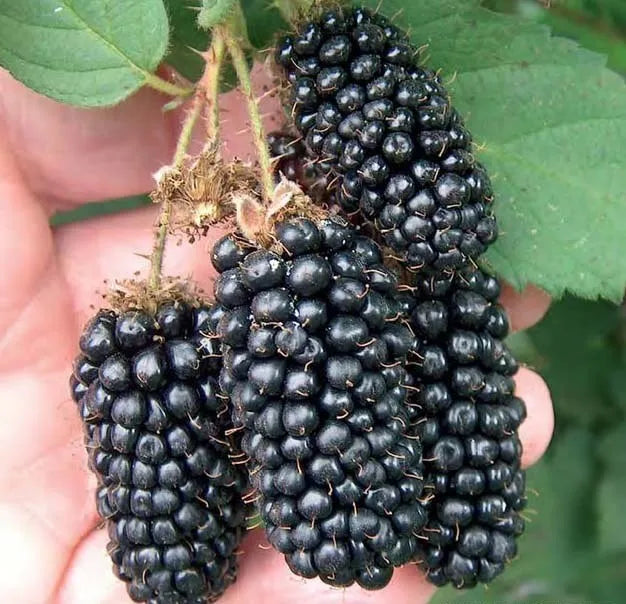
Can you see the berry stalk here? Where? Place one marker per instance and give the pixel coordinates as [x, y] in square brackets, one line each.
[233, 40]
[214, 58]
[207, 93]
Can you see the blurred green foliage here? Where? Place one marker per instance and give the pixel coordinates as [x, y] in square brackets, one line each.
[575, 547]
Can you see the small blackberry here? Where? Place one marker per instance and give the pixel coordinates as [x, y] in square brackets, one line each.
[154, 424]
[472, 453]
[313, 364]
[289, 155]
[383, 128]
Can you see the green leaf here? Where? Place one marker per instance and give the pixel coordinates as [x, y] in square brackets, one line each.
[214, 12]
[612, 491]
[263, 19]
[186, 38]
[578, 334]
[611, 497]
[83, 52]
[552, 120]
[100, 208]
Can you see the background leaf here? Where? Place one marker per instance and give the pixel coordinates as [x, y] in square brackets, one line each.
[552, 120]
[612, 493]
[262, 17]
[185, 38]
[100, 208]
[83, 52]
[567, 338]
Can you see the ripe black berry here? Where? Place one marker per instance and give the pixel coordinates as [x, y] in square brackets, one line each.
[371, 115]
[155, 433]
[471, 449]
[323, 398]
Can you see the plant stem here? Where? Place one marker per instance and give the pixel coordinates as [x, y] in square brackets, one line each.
[212, 85]
[207, 91]
[160, 239]
[154, 81]
[233, 43]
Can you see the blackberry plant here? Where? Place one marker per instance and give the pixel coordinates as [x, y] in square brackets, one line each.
[364, 400]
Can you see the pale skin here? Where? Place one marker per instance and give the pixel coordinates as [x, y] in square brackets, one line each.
[55, 157]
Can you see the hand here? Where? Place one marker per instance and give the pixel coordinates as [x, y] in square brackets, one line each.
[55, 157]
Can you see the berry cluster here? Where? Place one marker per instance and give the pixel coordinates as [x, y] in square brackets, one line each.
[385, 130]
[314, 363]
[469, 434]
[154, 423]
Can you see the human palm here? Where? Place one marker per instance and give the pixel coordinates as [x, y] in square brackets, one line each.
[54, 157]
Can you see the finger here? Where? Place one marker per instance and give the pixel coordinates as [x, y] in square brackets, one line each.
[263, 577]
[90, 577]
[72, 155]
[107, 248]
[43, 493]
[536, 431]
[525, 308]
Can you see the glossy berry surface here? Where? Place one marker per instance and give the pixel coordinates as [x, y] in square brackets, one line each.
[472, 452]
[383, 131]
[321, 393]
[154, 429]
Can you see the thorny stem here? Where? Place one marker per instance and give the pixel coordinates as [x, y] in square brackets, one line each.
[214, 60]
[158, 249]
[233, 43]
[207, 91]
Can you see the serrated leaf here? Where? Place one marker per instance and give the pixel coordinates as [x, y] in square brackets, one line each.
[83, 52]
[552, 120]
[214, 12]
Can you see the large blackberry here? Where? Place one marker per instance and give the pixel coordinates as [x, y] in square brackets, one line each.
[154, 423]
[472, 452]
[313, 362]
[384, 128]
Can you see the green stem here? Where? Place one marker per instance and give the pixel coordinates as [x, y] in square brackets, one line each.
[154, 81]
[235, 49]
[158, 249]
[212, 85]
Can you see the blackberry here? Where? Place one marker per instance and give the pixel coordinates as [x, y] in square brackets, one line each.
[472, 453]
[154, 428]
[321, 393]
[289, 156]
[383, 129]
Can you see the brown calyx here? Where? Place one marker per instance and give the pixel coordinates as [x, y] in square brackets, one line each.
[200, 193]
[257, 222]
[138, 295]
